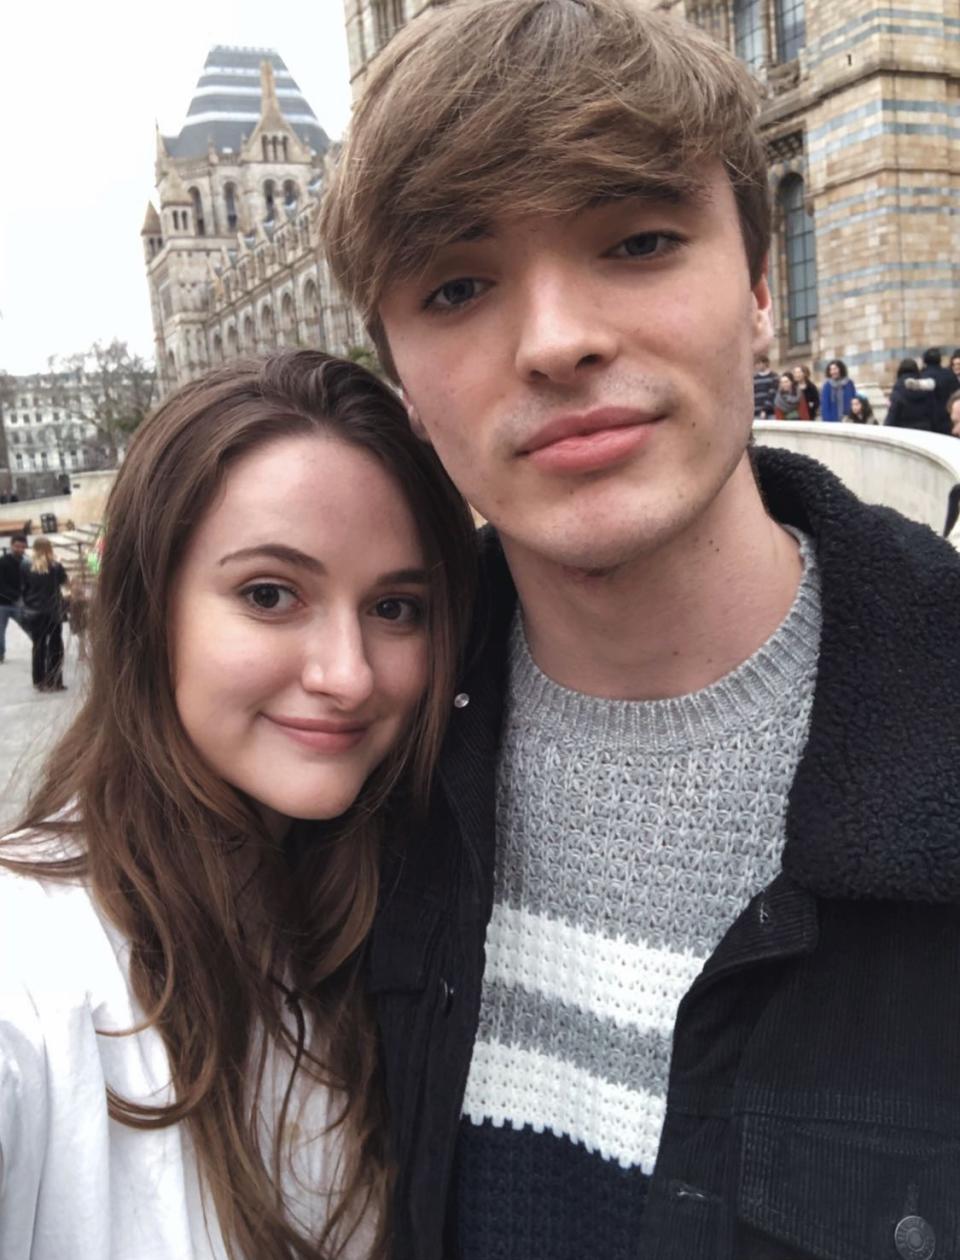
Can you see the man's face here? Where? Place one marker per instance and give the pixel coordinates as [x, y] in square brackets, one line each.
[955, 419]
[18, 548]
[587, 379]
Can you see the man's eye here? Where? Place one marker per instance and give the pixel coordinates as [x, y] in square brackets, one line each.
[399, 611]
[454, 293]
[645, 245]
[270, 597]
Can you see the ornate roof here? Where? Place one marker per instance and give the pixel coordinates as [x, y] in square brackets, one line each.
[226, 104]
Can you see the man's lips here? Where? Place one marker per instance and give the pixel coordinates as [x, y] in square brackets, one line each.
[320, 734]
[584, 423]
[590, 441]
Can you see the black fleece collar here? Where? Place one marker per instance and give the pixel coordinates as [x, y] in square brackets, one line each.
[874, 810]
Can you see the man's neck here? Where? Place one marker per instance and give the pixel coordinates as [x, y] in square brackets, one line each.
[669, 622]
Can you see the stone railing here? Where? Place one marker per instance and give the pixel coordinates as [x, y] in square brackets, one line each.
[905, 469]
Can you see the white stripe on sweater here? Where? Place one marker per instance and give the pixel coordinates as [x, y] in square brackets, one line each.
[511, 1085]
[632, 984]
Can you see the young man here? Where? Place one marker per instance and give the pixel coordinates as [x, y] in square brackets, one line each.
[672, 969]
[764, 390]
[11, 588]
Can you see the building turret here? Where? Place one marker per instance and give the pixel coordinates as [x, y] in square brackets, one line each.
[151, 233]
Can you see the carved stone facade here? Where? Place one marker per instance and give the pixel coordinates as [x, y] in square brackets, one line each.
[232, 257]
[862, 124]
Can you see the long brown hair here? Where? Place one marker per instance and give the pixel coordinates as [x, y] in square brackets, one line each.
[158, 833]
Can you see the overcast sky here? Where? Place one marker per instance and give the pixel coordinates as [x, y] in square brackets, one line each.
[80, 88]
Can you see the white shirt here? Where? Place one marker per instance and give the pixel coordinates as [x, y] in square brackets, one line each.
[75, 1184]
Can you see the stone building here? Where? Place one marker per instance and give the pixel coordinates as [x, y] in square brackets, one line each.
[45, 434]
[231, 255]
[862, 124]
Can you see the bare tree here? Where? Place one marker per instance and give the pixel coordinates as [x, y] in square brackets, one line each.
[107, 388]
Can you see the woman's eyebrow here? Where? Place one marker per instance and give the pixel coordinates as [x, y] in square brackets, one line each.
[276, 551]
[418, 577]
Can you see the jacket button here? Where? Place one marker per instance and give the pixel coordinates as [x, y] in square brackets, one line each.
[461, 700]
[447, 992]
[915, 1238]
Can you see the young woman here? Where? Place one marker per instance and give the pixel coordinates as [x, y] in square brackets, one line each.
[860, 411]
[43, 584]
[837, 392]
[802, 377]
[187, 1061]
[789, 402]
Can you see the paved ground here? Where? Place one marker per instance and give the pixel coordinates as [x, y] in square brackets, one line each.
[30, 721]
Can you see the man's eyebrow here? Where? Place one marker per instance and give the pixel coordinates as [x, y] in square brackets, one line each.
[276, 551]
[654, 195]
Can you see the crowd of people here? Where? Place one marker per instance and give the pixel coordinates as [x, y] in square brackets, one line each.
[924, 396]
[32, 594]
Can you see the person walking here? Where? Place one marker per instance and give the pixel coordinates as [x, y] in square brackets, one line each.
[672, 969]
[912, 401]
[837, 392]
[12, 571]
[43, 588]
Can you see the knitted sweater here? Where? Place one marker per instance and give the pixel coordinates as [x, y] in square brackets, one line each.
[630, 835]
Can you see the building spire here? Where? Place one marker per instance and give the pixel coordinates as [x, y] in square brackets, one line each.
[270, 113]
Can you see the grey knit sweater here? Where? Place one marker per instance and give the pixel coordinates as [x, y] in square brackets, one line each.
[630, 835]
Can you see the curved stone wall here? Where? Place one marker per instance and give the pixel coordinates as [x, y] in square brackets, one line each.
[899, 468]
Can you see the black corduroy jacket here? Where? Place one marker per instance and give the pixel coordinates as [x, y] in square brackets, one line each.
[814, 1096]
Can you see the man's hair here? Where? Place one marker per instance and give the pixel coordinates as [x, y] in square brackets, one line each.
[18, 537]
[489, 107]
[931, 357]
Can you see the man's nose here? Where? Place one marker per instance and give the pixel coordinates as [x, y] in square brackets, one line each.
[336, 661]
[564, 331]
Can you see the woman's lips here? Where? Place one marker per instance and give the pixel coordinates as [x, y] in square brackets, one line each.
[319, 736]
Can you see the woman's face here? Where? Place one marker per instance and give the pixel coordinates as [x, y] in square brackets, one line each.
[798, 375]
[955, 365]
[856, 407]
[833, 371]
[297, 626]
[786, 383]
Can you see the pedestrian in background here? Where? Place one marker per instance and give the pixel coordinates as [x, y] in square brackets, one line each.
[801, 374]
[764, 390]
[12, 569]
[944, 384]
[43, 602]
[911, 399]
[860, 411]
[955, 367]
[838, 391]
[790, 402]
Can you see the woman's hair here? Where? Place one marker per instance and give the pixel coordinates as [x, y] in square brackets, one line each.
[866, 410]
[785, 376]
[42, 555]
[477, 110]
[161, 835]
[840, 364]
[907, 367]
[802, 367]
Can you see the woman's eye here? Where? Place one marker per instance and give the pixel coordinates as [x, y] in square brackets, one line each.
[454, 293]
[645, 245]
[399, 611]
[270, 597]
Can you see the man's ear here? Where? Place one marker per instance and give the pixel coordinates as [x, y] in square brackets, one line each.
[413, 416]
[762, 319]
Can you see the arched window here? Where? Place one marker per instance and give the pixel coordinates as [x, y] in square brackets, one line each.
[249, 335]
[748, 32]
[197, 211]
[216, 352]
[267, 332]
[171, 367]
[265, 144]
[791, 28]
[283, 144]
[388, 17]
[288, 319]
[800, 255]
[290, 193]
[268, 196]
[230, 205]
[233, 343]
